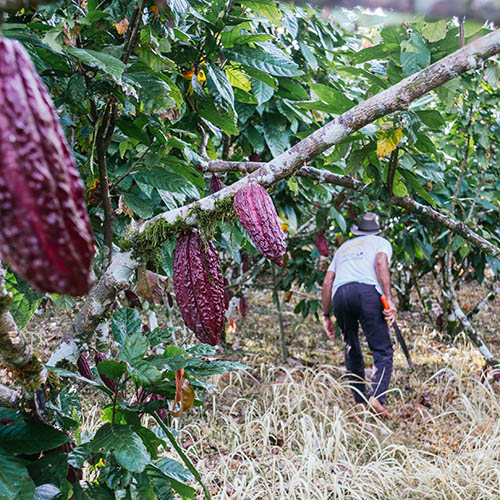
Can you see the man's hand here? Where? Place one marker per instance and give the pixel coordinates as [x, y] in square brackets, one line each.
[329, 327]
[390, 314]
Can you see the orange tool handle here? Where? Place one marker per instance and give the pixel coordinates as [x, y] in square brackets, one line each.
[384, 302]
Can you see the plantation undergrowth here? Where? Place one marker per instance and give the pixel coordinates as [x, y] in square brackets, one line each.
[288, 431]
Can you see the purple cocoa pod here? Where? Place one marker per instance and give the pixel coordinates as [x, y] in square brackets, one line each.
[258, 216]
[84, 367]
[133, 299]
[143, 396]
[108, 382]
[45, 234]
[228, 295]
[170, 300]
[215, 184]
[162, 412]
[243, 306]
[199, 288]
[244, 262]
[322, 245]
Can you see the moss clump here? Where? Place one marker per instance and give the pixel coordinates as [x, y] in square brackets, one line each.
[147, 245]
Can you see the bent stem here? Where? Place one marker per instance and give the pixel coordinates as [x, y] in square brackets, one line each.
[183, 456]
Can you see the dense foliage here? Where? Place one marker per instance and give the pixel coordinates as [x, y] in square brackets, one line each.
[148, 94]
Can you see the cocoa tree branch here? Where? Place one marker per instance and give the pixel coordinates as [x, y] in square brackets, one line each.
[15, 352]
[470, 330]
[16, 5]
[9, 398]
[395, 98]
[457, 227]
[471, 9]
[483, 302]
[323, 176]
[95, 308]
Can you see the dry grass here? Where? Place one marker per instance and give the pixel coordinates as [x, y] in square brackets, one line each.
[288, 432]
[292, 436]
[282, 432]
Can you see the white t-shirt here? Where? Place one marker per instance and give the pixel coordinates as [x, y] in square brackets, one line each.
[354, 261]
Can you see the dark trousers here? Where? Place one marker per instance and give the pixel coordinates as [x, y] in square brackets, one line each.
[356, 303]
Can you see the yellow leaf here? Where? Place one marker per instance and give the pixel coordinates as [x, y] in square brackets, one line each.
[388, 140]
[122, 26]
[201, 77]
[238, 79]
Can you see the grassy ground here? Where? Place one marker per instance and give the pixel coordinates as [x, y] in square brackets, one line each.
[286, 431]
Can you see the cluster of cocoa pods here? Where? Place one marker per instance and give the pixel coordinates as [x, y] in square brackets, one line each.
[198, 282]
[45, 234]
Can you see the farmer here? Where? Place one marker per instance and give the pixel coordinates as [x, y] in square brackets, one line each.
[356, 278]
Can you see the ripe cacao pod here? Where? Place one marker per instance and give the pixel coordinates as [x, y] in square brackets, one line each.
[215, 184]
[45, 233]
[322, 244]
[108, 382]
[170, 300]
[258, 216]
[228, 295]
[199, 288]
[244, 262]
[243, 306]
[84, 367]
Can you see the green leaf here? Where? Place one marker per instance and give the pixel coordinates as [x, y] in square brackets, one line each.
[79, 455]
[415, 54]
[216, 367]
[432, 118]
[186, 492]
[261, 91]
[126, 446]
[134, 349]
[109, 64]
[376, 80]
[51, 468]
[225, 120]
[130, 129]
[15, 483]
[30, 437]
[160, 335]
[272, 64]
[46, 492]
[471, 27]
[381, 51]
[91, 492]
[238, 79]
[163, 178]
[433, 32]
[492, 74]
[173, 469]
[276, 133]
[125, 322]
[145, 373]
[336, 100]
[399, 188]
[265, 8]
[217, 80]
[308, 55]
[139, 206]
[154, 91]
[25, 299]
[111, 368]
